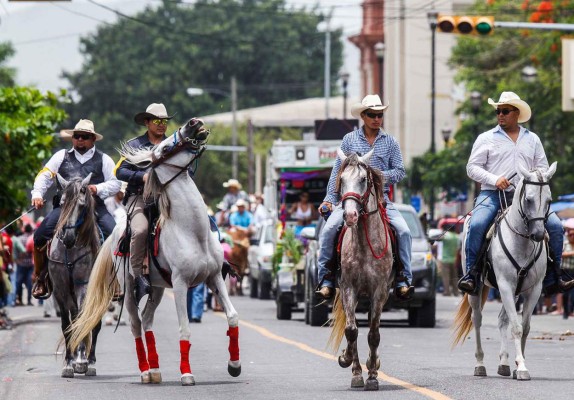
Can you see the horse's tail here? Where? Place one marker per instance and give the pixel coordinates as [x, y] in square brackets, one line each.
[99, 294]
[463, 319]
[338, 323]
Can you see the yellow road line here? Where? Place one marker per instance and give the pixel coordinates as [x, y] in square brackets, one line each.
[395, 381]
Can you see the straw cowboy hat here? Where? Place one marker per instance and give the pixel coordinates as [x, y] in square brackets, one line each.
[371, 101]
[241, 203]
[85, 126]
[154, 110]
[232, 183]
[512, 99]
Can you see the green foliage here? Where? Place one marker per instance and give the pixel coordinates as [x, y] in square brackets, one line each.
[27, 120]
[275, 52]
[289, 246]
[493, 64]
[6, 73]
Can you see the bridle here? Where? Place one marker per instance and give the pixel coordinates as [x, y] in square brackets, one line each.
[361, 199]
[521, 212]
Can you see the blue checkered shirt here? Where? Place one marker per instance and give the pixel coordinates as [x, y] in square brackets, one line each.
[386, 158]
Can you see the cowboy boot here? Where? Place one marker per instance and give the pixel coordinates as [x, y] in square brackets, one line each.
[142, 286]
[40, 288]
[469, 283]
[326, 292]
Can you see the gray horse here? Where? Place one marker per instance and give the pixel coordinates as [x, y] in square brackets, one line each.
[71, 255]
[366, 263]
[518, 242]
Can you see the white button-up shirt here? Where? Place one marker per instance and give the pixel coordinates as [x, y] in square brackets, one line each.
[45, 177]
[494, 154]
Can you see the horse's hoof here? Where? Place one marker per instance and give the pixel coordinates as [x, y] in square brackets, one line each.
[357, 382]
[234, 368]
[514, 374]
[67, 372]
[145, 377]
[187, 380]
[80, 368]
[155, 375]
[480, 371]
[372, 384]
[91, 370]
[503, 370]
[342, 362]
[522, 375]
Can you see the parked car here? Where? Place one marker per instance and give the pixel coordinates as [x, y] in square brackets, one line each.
[259, 258]
[421, 308]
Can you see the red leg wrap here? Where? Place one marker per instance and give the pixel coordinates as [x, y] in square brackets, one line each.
[142, 359]
[152, 356]
[184, 366]
[233, 333]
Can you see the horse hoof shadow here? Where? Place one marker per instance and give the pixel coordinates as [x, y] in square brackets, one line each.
[187, 380]
[67, 372]
[480, 371]
[372, 384]
[503, 370]
[357, 382]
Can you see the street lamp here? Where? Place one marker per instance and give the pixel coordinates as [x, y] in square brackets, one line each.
[432, 17]
[446, 132]
[192, 91]
[344, 75]
[530, 75]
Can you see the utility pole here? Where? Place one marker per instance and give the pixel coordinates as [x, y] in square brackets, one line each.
[234, 126]
[251, 158]
[327, 62]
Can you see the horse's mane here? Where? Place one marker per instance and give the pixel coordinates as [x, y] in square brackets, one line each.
[376, 176]
[87, 232]
[139, 157]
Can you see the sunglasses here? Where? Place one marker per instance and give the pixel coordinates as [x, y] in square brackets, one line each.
[86, 136]
[504, 111]
[374, 115]
[159, 122]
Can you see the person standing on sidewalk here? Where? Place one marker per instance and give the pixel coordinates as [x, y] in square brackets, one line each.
[23, 250]
[447, 260]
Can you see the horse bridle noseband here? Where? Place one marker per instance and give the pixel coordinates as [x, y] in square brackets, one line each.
[361, 199]
[521, 212]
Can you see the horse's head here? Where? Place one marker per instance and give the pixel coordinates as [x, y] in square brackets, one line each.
[534, 199]
[354, 184]
[77, 211]
[189, 138]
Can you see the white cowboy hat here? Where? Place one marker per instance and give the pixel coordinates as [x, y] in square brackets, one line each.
[241, 203]
[84, 125]
[371, 101]
[512, 99]
[232, 183]
[154, 110]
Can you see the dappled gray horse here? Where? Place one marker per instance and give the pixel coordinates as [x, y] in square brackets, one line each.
[70, 258]
[366, 263]
[518, 253]
[187, 247]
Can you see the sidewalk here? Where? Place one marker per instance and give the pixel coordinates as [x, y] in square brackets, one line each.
[27, 314]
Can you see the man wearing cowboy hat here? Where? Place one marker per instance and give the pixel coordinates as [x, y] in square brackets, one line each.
[386, 158]
[233, 194]
[492, 162]
[155, 119]
[81, 160]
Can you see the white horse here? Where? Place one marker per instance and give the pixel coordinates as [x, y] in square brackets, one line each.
[186, 246]
[519, 257]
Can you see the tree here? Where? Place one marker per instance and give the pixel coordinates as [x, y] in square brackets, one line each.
[27, 120]
[275, 53]
[493, 64]
[6, 73]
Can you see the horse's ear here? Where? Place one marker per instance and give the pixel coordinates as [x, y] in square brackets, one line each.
[86, 180]
[523, 171]
[367, 157]
[341, 155]
[61, 181]
[551, 170]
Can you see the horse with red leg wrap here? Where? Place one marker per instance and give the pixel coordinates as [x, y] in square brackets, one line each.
[186, 246]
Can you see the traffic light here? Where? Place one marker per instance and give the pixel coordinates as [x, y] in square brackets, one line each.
[480, 25]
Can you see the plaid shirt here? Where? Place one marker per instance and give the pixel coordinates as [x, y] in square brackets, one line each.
[386, 158]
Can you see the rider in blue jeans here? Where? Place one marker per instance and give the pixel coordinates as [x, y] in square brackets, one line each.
[492, 163]
[386, 158]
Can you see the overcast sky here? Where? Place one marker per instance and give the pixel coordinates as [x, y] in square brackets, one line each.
[46, 35]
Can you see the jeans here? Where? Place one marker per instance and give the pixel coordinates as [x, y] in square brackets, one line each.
[482, 217]
[46, 229]
[328, 238]
[24, 277]
[195, 301]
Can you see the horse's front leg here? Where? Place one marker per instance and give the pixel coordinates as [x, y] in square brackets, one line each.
[475, 304]
[180, 290]
[374, 339]
[136, 328]
[217, 286]
[68, 370]
[148, 314]
[503, 366]
[508, 300]
[530, 302]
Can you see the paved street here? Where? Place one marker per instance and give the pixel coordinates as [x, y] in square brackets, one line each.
[284, 359]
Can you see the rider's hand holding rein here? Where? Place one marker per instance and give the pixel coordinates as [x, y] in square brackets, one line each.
[38, 203]
[327, 204]
[93, 189]
[502, 183]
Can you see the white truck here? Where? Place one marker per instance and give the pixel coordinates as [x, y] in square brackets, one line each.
[294, 167]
